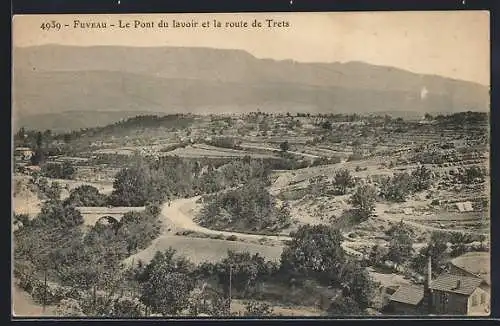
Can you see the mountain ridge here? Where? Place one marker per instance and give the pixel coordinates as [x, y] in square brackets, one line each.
[49, 79]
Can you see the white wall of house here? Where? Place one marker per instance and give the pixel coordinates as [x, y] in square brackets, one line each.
[479, 302]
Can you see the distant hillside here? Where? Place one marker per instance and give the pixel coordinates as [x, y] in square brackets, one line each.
[73, 120]
[54, 79]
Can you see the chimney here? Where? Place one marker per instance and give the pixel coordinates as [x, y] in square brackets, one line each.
[427, 287]
[428, 278]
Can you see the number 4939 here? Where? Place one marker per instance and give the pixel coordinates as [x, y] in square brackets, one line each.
[51, 25]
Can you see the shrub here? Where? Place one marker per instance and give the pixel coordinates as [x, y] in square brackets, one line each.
[69, 308]
[254, 308]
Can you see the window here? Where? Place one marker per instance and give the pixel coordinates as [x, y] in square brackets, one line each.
[483, 298]
[474, 300]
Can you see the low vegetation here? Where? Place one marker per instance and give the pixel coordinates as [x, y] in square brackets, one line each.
[247, 208]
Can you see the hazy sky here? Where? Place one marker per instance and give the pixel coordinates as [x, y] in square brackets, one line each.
[453, 43]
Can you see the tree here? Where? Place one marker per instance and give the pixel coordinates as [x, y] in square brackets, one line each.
[436, 249]
[357, 283]
[127, 308]
[246, 270]
[343, 306]
[86, 195]
[59, 171]
[471, 175]
[314, 251]
[53, 192]
[343, 180]
[38, 157]
[53, 213]
[39, 140]
[130, 187]
[421, 178]
[327, 125]
[67, 171]
[153, 209]
[284, 146]
[363, 200]
[377, 255]
[166, 283]
[396, 188]
[401, 245]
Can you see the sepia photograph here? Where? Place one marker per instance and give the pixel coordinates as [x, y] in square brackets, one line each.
[256, 165]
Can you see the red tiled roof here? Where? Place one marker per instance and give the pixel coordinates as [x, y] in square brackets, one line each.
[409, 294]
[449, 282]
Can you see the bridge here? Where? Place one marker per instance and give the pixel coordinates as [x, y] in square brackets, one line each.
[91, 215]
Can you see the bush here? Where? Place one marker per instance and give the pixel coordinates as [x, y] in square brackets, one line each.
[363, 200]
[69, 308]
[342, 180]
[435, 202]
[396, 188]
[254, 308]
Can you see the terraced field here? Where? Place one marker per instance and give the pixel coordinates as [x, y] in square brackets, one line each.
[196, 151]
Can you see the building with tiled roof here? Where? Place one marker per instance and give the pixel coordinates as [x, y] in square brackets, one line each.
[459, 295]
[407, 300]
[448, 294]
[456, 284]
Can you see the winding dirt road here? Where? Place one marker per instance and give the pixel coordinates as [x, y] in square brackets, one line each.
[179, 211]
[179, 214]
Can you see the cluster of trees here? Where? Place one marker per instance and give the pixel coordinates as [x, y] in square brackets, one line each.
[249, 207]
[246, 272]
[41, 142]
[469, 175]
[224, 142]
[398, 187]
[89, 266]
[401, 251]
[315, 252]
[169, 283]
[462, 119]
[65, 170]
[54, 244]
[148, 180]
[86, 195]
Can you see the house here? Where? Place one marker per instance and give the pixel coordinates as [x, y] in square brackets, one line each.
[459, 295]
[407, 300]
[448, 294]
[464, 206]
[23, 153]
[32, 169]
